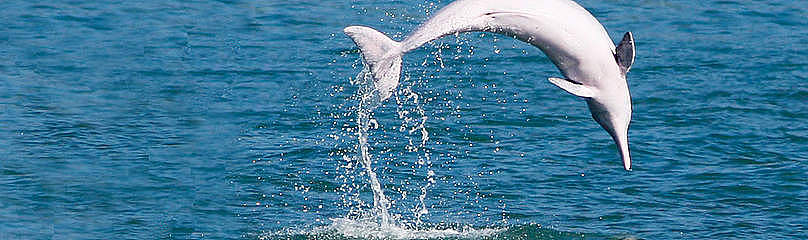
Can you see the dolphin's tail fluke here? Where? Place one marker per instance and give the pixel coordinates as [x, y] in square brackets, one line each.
[381, 54]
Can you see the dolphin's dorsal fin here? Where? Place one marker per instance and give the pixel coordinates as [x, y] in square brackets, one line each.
[573, 88]
[624, 54]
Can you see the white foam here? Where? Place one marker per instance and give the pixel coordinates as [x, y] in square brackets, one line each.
[371, 230]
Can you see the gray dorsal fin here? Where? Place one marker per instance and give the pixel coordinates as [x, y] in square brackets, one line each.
[573, 88]
[624, 54]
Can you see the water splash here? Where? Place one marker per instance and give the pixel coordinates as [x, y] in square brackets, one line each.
[369, 99]
[413, 121]
[411, 124]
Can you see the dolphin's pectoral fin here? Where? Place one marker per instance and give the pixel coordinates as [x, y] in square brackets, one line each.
[624, 54]
[573, 88]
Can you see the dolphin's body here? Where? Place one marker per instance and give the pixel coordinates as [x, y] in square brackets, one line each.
[568, 34]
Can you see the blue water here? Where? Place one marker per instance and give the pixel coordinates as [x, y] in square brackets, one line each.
[238, 119]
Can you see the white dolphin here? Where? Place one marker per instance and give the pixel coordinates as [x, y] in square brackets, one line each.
[594, 69]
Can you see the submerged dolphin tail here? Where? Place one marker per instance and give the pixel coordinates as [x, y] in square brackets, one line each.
[381, 54]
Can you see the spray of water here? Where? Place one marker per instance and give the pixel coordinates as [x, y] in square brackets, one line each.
[378, 222]
[368, 100]
[413, 119]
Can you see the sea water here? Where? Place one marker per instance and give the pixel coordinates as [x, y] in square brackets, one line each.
[256, 119]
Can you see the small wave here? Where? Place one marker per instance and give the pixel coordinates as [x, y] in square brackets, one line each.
[345, 228]
[364, 229]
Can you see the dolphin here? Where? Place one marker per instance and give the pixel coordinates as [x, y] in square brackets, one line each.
[593, 68]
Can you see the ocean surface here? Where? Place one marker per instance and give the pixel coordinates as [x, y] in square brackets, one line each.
[245, 120]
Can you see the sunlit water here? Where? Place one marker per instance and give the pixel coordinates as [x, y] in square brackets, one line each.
[253, 119]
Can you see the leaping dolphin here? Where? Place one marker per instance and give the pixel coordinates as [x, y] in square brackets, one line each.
[593, 68]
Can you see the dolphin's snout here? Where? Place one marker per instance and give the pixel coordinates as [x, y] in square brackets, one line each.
[624, 154]
[615, 121]
[621, 140]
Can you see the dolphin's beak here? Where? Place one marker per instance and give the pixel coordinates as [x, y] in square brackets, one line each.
[622, 144]
[616, 127]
